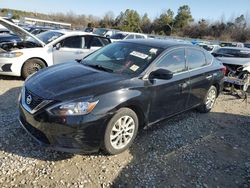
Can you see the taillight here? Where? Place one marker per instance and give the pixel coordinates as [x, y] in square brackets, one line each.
[224, 70]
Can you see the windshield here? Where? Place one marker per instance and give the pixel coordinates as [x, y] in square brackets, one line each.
[100, 31]
[123, 58]
[118, 36]
[46, 37]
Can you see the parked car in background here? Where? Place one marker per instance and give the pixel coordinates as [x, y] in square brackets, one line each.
[101, 102]
[39, 29]
[51, 47]
[105, 32]
[89, 29]
[209, 47]
[9, 38]
[247, 45]
[4, 31]
[237, 62]
[232, 44]
[127, 35]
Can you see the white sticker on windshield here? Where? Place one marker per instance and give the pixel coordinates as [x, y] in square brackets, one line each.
[139, 54]
[134, 68]
[153, 50]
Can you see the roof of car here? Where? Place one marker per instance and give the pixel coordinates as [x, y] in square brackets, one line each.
[158, 43]
[236, 48]
[71, 32]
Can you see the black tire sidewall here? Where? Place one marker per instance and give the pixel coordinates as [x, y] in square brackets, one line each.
[29, 63]
[107, 147]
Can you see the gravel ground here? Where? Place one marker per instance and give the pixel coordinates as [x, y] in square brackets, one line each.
[189, 150]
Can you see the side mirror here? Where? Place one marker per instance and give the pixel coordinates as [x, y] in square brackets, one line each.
[162, 74]
[58, 46]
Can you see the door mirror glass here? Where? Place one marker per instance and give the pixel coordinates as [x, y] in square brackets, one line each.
[162, 74]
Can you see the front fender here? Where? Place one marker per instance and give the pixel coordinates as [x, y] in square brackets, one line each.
[110, 102]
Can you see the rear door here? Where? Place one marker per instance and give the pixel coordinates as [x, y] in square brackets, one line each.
[170, 96]
[201, 78]
[94, 43]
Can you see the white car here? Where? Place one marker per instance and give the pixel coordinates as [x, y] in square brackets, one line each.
[45, 49]
[127, 35]
[209, 47]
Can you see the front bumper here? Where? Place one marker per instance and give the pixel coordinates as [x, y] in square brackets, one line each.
[10, 66]
[72, 134]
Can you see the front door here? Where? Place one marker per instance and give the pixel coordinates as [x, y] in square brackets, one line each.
[169, 97]
[71, 49]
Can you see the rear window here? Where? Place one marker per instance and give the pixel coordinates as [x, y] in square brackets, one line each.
[195, 58]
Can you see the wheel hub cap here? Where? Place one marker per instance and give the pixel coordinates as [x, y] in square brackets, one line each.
[122, 132]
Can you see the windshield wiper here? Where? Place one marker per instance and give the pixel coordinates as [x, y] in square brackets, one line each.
[99, 67]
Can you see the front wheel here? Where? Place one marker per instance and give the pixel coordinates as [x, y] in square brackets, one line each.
[31, 66]
[120, 131]
[209, 100]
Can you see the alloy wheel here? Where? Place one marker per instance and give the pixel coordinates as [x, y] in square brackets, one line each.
[122, 132]
[210, 99]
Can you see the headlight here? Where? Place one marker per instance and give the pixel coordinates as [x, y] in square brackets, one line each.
[11, 54]
[73, 108]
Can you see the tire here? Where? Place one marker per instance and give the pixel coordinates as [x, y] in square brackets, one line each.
[31, 66]
[209, 100]
[118, 143]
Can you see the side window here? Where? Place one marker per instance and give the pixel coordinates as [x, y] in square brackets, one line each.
[195, 58]
[72, 42]
[209, 58]
[96, 42]
[130, 37]
[174, 61]
[104, 41]
[139, 37]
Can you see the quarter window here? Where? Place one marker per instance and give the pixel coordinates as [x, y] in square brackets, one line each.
[174, 61]
[130, 37]
[195, 58]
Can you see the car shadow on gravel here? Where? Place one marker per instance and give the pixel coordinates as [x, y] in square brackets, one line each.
[14, 139]
[191, 150]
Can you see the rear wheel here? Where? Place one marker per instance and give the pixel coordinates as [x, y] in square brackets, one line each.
[209, 100]
[121, 131]
[31, 66]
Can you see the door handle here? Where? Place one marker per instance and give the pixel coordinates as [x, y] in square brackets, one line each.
[209, 77]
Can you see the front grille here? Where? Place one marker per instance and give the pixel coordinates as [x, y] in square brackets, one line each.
[35, 132]
[36, 100]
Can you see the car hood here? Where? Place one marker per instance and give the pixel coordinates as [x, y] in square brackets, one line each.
[71, 80]
[22, 33]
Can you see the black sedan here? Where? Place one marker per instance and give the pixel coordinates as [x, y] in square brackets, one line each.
[100, 102]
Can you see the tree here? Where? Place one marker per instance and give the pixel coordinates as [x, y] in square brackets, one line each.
[183, 17]
[128, 21]
[145, 24]
[240, 22]
[108, 20]
[164, 24]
